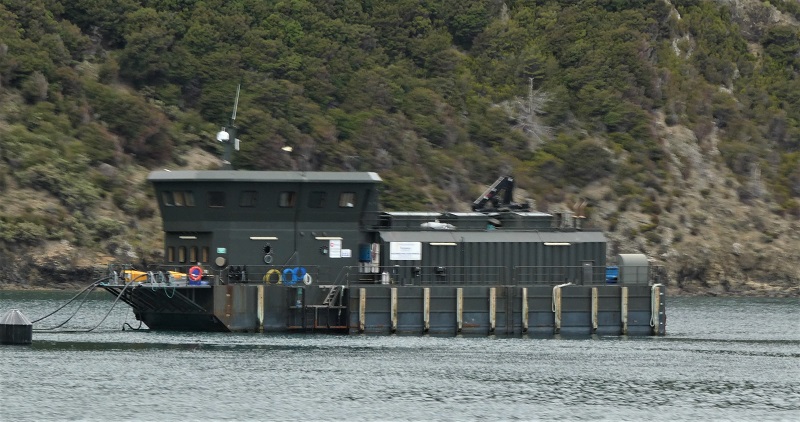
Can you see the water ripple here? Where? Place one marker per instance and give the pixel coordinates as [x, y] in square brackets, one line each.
[704, 371]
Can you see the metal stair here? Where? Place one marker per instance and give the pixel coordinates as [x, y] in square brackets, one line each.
[332, 293]
[326, 316]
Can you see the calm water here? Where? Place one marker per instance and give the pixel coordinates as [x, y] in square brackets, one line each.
[723, 359]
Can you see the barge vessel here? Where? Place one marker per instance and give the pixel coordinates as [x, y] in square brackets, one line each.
[282, 251]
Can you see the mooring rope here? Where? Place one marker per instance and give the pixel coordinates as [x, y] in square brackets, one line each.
[104, 317]
[80, 305]
[111, 308]
[129, 326]
[170, 296]
[91, 286]
[121, 292]
[655, 300]
[553, 303]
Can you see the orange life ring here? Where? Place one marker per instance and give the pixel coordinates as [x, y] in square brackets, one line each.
[195, 273]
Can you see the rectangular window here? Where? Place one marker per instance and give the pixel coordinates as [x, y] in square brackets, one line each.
[166, 197]
[204, 251]
[178, 197]
[248, 198]
[287, 199]
[171, 254]
[316, 200]
[193, 254]
[189, 198]
[347, 200]
[216, 199]
[182, 254]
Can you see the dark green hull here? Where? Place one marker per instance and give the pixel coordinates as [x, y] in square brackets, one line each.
[389, 309]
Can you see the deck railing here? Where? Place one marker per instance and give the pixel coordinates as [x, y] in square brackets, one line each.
[396, 275]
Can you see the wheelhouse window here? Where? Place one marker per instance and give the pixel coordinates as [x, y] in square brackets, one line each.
[177, 198]
[316, 200]
[287, 199]
[347, 200]
[216, 199]
[248, 198]
[166, 198]
[182, 254]
[193, 254]
[204, 254]
[171, 254]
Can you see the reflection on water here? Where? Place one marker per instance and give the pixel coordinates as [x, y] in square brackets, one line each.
[722, 359]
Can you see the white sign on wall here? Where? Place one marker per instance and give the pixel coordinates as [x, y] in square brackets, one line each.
[335, 248]
[405, 251]
[347, 253]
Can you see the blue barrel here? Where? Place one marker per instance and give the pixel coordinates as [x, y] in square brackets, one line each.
[612, 274]
[364, 252]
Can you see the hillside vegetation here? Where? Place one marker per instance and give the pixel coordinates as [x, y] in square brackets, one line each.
[676, 121]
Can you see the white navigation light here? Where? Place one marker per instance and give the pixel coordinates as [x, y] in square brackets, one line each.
[223, 136]
[236, 144]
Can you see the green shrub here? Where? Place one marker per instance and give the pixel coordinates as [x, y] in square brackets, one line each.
[22, 232]
[613, 221]
[650, 206]
[644, 228]
[105, 228]
[653, 237]
[74, 191]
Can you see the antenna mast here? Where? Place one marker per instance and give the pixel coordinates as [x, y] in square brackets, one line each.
[228, 135]
[235, 104]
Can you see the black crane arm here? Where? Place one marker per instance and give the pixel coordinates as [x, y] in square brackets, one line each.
[499, 197]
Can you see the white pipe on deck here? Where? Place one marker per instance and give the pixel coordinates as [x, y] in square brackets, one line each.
[594, 309]
[492, 308]
[624, 304]
[394, 309]
[426, 308]
[362, 308]
[460, 308]
[524, 309]
[557, 306]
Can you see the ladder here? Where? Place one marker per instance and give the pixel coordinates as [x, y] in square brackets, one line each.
[332, 293]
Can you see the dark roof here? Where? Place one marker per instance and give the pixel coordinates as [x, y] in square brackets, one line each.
[493, 236]
[263, 176]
